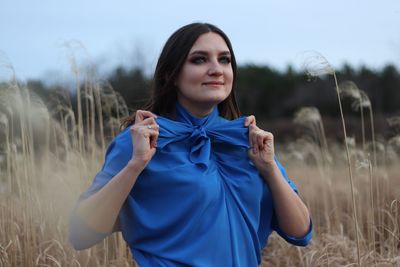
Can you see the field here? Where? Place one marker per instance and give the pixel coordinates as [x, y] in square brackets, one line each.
[50, 152]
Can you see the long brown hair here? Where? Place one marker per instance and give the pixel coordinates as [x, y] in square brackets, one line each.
[176, 49]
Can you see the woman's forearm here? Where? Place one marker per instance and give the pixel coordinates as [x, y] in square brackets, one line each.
[292, 214]
[100, 211]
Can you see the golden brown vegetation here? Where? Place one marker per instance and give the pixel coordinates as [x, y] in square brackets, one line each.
[49, 155]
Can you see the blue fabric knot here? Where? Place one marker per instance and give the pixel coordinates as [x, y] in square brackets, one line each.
[201, 133]
[200, 145]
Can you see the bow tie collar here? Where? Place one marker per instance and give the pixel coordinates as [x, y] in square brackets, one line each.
[201, 133]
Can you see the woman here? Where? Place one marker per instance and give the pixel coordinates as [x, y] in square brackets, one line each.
[188, 181]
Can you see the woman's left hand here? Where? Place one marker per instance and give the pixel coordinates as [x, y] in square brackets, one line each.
[261, 150]
[292, 215]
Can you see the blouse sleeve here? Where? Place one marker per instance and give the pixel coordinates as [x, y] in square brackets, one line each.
[298, 241]
[117, 156]
[118, 153]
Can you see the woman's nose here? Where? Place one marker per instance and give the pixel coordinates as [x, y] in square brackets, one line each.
[215, 69]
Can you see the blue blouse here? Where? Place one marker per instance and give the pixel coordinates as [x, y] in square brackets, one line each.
[199, 202]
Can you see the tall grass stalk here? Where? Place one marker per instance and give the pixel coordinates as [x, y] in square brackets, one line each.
[97, 97]
[361, 101]
[362, 126]
[350, 171]
[317, 65]
[365, 99]
[394, 209]
[310, 118]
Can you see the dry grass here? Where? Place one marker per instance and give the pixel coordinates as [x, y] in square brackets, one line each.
[329, 200]
[49, 155]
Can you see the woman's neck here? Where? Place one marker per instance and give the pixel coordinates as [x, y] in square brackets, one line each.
[198, 111]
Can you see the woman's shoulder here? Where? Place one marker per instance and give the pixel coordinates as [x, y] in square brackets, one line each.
[124, 135]
[118, 152]
[122, 141]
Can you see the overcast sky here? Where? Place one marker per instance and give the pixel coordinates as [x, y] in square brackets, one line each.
[34, 35]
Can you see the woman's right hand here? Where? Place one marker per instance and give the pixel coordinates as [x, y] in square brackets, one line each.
[144, 134]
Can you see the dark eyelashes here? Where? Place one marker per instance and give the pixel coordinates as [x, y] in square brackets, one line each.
[225, 59]
[198, 60]
[202, 59]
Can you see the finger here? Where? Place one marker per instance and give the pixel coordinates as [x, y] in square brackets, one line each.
[144, 138]
[271, 138]
[249, 120]
[142, 114]
[147, 121]
[253, 137]
[153, 139]
[262, 138]
[269, 141]
[147, 132]
[151, 126]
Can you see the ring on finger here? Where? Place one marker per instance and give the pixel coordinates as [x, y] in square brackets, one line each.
[149, 127]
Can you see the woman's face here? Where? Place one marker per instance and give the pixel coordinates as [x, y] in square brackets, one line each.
[206, 77]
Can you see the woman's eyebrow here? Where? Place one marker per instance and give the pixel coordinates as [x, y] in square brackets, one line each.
[199, 52]
[202, 52]
[225, 53]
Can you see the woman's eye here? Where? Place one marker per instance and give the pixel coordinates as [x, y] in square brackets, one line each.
[225, 60]
[198, 60]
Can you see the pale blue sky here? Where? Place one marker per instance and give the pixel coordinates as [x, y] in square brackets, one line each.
[32, 33]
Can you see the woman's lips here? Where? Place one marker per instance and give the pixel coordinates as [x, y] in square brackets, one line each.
[213, 83]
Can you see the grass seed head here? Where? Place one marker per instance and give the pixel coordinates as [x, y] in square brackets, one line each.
[307, 115]
[316, 64]
[394, 124]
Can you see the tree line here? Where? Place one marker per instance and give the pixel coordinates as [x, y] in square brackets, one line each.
[269, 93]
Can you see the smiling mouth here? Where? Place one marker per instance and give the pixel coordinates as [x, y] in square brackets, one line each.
[213, 83]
